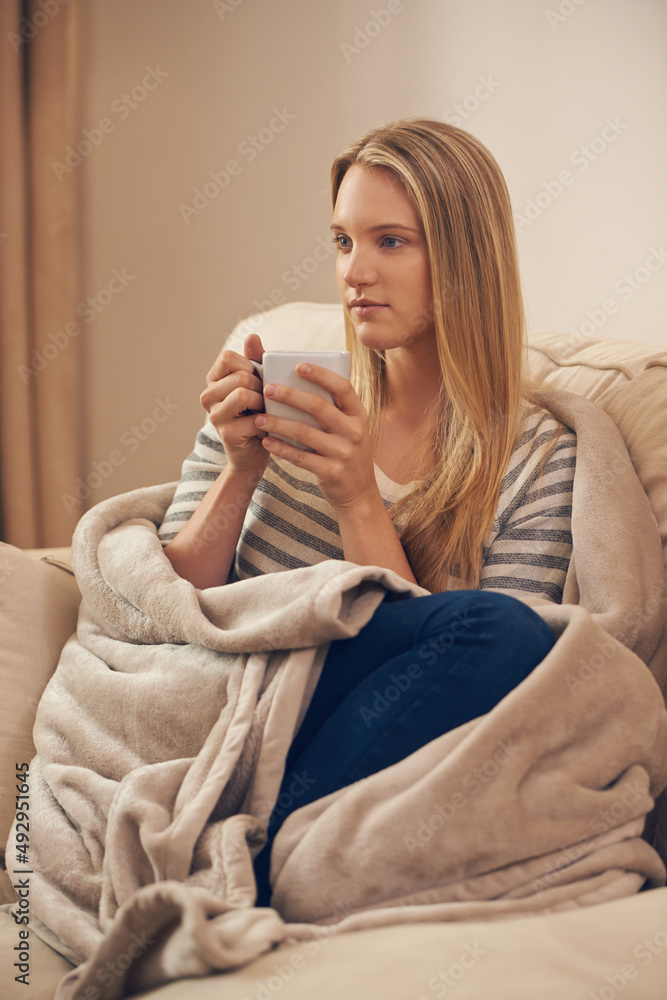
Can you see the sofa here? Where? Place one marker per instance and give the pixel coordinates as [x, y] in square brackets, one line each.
[590, 952]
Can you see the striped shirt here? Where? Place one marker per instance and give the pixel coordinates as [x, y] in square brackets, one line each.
[289, 523]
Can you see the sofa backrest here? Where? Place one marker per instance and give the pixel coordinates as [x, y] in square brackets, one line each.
[628, 381]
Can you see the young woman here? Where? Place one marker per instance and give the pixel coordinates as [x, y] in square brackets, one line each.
[434, 462]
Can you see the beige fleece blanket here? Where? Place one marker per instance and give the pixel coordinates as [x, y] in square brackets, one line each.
[162, 735]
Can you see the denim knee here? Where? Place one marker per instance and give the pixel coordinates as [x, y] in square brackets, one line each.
[513, 617]
[483, 618]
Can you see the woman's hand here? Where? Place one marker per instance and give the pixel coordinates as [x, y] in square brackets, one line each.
[342, 454]
[232, 398]
[342, 461]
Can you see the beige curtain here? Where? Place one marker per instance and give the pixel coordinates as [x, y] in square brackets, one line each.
[39, 350]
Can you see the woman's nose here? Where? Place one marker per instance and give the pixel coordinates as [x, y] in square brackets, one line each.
[358, 269]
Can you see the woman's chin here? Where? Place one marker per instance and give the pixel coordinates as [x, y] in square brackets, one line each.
[373, 335]
[373, 342]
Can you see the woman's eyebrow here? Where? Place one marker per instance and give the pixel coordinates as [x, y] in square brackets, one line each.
[384, 225]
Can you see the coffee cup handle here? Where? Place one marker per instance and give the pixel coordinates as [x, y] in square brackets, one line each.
[259, 369]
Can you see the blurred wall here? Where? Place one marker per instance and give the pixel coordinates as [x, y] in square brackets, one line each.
[209, 129]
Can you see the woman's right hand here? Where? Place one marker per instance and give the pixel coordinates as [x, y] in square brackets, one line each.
[232, 398]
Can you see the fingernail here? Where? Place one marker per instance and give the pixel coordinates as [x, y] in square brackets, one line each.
[260, 421]
[270, 390]
[304, 368]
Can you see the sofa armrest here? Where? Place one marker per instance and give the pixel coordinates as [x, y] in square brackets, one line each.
[57, 557]
[39, 602]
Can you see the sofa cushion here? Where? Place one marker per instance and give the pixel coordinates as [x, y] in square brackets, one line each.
[38, 609]
[592, 952]
[629, 382]
[595, 369]
[306, 326]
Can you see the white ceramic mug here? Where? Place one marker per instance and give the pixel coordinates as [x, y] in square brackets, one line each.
[278, 367]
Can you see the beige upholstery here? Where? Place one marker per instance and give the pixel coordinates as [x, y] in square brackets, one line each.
[627, 380]
[38, 607]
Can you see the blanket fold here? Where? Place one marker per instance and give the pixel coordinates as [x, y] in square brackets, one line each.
[585, 779]
[162, 736]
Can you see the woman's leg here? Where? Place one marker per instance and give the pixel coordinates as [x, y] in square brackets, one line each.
[420, 667]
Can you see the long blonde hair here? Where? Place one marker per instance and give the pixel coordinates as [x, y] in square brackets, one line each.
[462, 201]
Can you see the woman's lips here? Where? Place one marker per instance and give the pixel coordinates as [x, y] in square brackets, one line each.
[365, 311]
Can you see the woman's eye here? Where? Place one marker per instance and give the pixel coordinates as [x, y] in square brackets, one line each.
[345, 243]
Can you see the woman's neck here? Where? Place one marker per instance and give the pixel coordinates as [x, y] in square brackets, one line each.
[403, 442]
[412, 380]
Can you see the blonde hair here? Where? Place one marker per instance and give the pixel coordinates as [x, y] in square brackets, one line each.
[462, 201]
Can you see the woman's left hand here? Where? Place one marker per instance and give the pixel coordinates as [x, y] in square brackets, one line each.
[342, 454]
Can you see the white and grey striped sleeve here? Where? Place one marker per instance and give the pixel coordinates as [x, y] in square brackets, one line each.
[531, 541]
[199, 471]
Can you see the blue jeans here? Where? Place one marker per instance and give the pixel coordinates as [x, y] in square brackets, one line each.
[421, 667]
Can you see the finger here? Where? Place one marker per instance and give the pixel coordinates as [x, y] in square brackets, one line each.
[329, 416]
[234, 395]
[240, 432]
[226, 363]
[307, 460]
[310, 437]
[322, 467]
[221, 388]
[344, 396]
[253, 347]
[339, 448]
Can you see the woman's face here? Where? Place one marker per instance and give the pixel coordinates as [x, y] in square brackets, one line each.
[382, 260]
